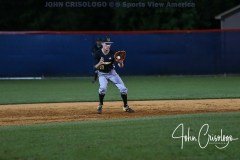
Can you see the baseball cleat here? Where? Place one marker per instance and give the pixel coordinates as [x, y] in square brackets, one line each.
[128, 109]
[99, 109]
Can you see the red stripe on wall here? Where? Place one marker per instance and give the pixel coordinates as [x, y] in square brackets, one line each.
[118, 32]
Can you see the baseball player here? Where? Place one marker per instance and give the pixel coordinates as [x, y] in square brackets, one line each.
[104, 63]
[96, 47]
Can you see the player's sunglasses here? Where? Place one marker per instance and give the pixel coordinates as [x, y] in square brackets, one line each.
[109, 44]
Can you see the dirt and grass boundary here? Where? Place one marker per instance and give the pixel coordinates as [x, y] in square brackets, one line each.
[26, 114]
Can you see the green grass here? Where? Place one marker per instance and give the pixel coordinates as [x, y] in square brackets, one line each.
[140, 88]
[142, 138]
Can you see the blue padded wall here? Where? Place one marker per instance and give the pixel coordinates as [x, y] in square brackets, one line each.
[147, 54]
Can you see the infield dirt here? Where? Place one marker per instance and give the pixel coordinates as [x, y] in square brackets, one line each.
[25, 114]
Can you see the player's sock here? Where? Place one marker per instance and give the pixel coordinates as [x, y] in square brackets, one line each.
[101, 97]
[124, 98]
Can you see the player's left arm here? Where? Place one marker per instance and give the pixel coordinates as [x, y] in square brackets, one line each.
[121, 64]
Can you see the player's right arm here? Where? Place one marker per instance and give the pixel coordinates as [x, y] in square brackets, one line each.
[98, 61]
[101, 61]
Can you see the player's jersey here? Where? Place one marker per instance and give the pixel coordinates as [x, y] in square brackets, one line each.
[108, 59]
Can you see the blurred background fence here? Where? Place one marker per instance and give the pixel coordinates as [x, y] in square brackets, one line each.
[34, 54]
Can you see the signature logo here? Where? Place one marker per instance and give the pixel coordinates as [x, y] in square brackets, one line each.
[204, 138]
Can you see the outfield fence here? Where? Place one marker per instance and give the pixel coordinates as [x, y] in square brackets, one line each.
[185, 52]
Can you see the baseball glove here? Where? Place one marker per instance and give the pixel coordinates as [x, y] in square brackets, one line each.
[120, 56]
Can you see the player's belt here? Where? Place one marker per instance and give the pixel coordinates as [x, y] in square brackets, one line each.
[108, 71]
[106, 62]
[104, 71]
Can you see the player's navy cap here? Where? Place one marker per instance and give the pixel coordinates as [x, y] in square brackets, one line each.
[107, 40]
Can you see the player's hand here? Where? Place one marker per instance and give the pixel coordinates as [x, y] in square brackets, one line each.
[101, 61]
[121, 64]
[120, 61]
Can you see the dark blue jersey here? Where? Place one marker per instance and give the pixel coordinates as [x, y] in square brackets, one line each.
[108, 60]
